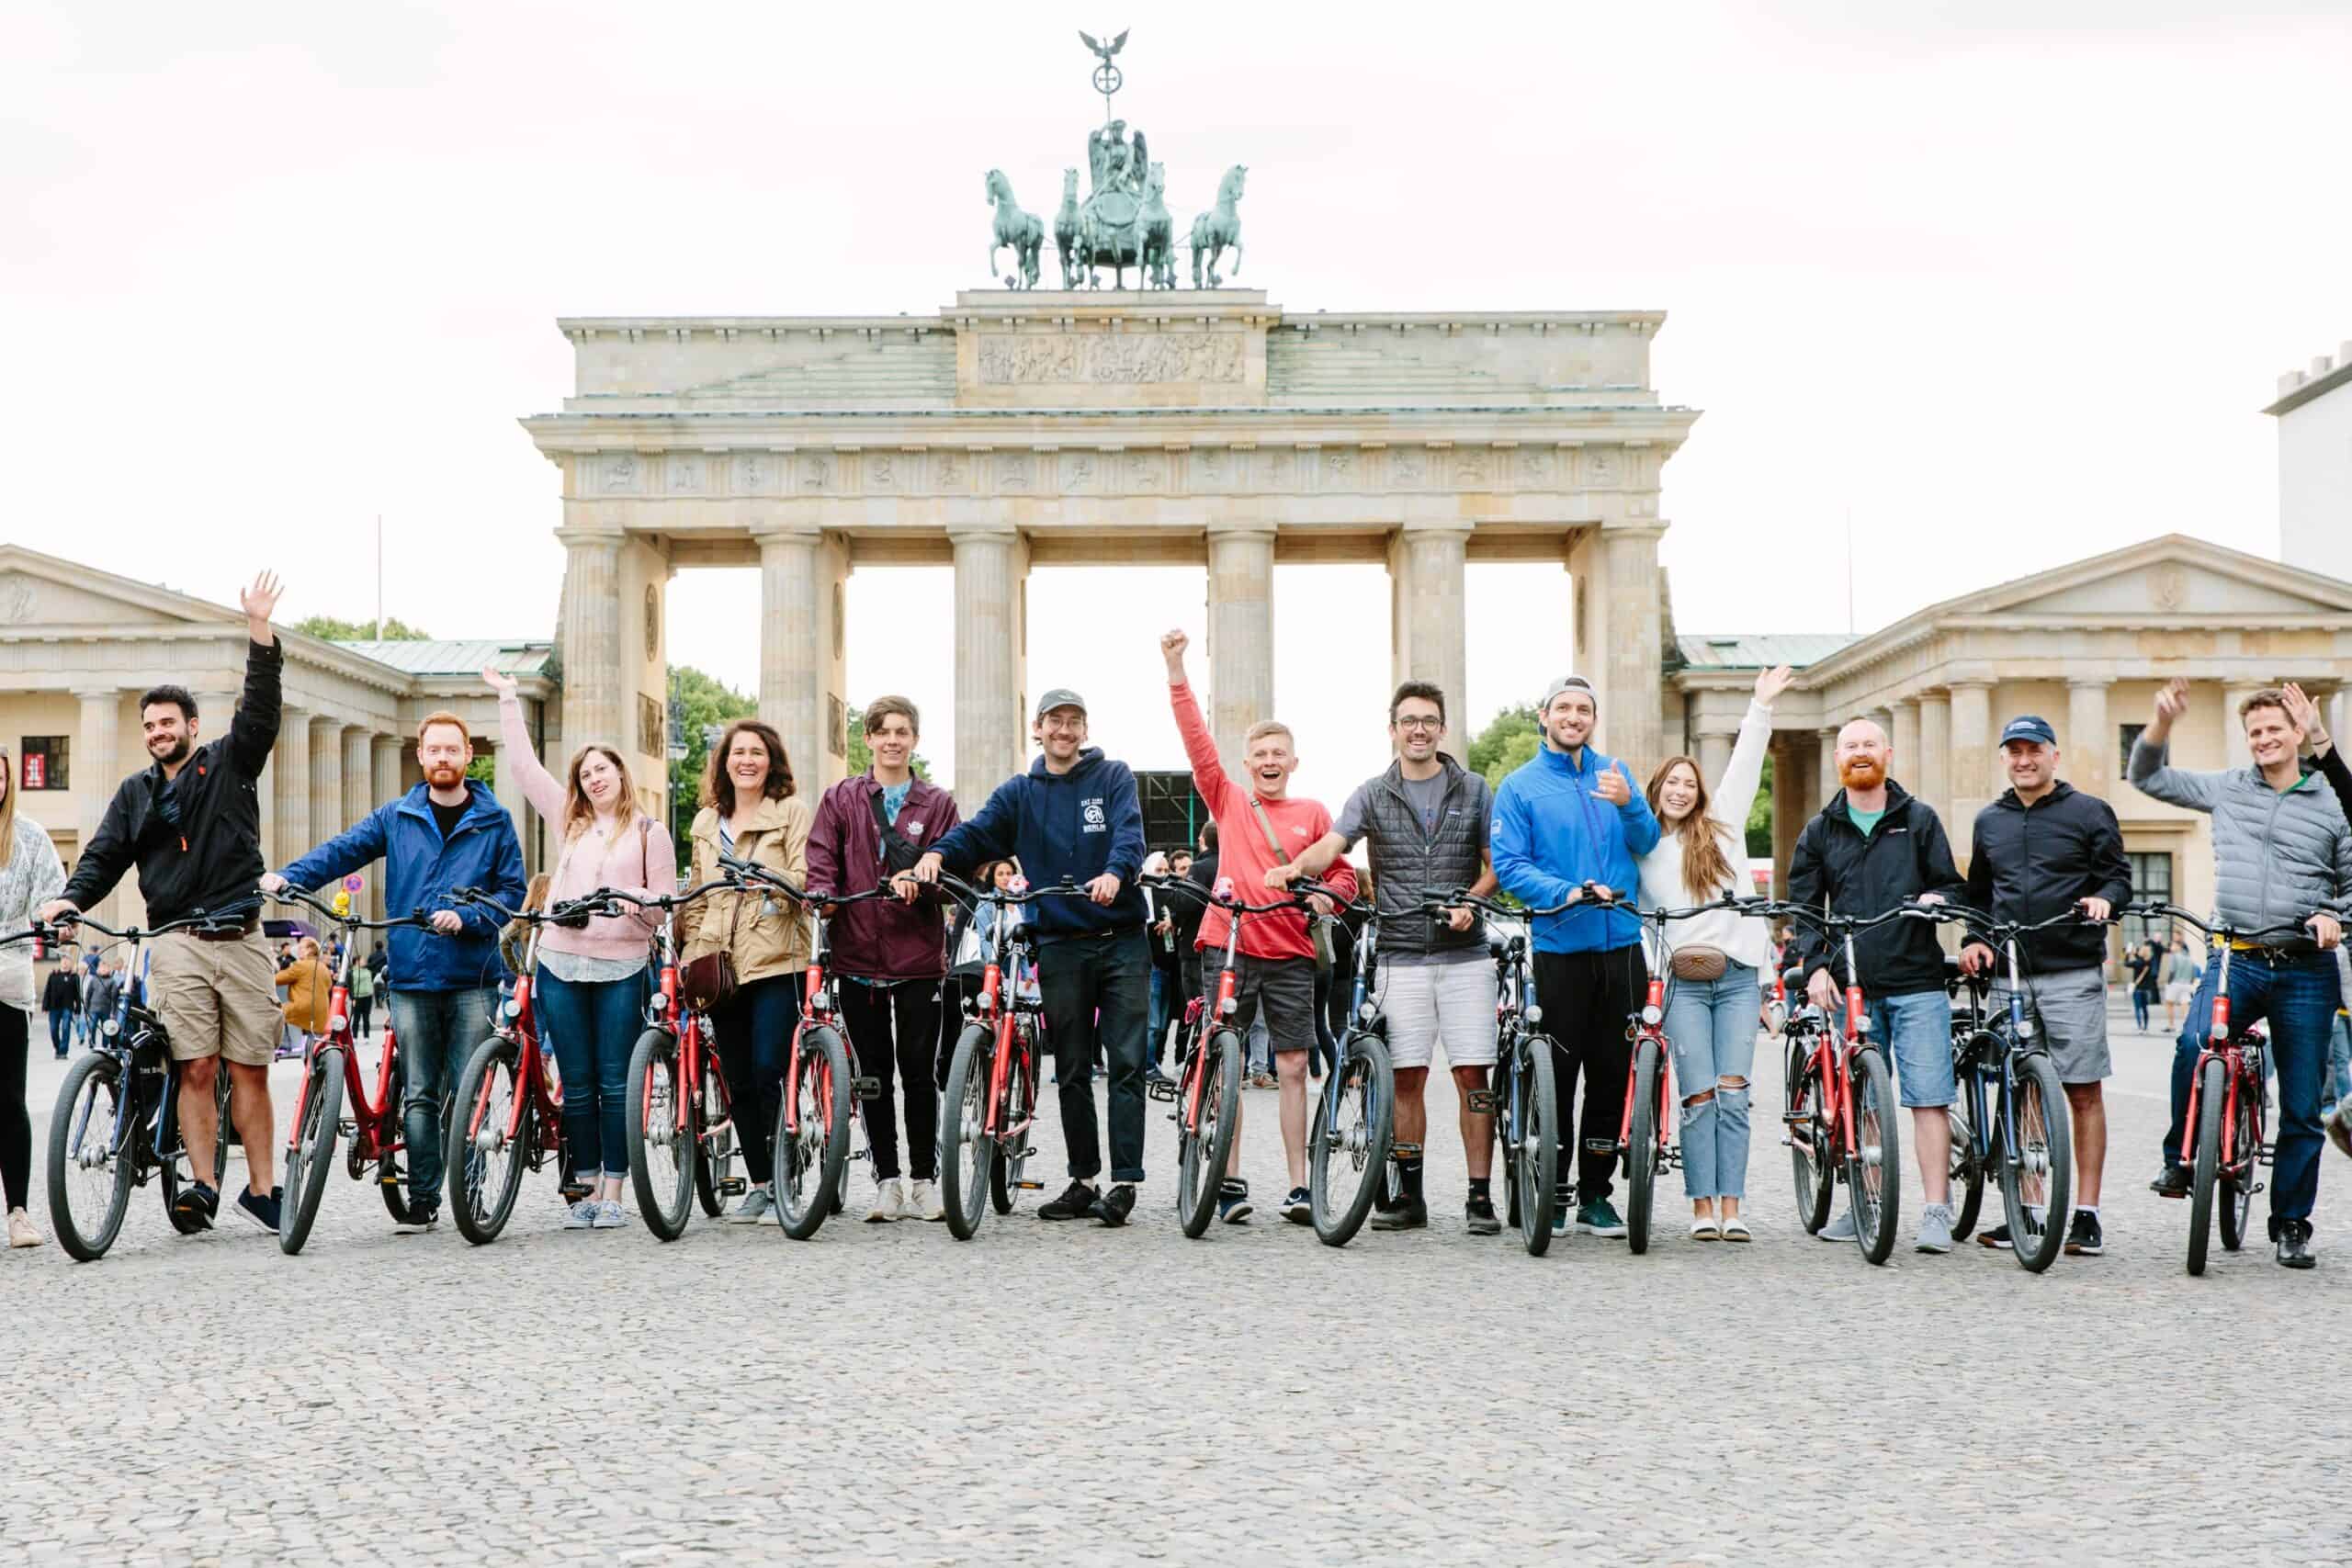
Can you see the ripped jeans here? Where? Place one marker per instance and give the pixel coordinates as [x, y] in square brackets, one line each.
[1712, 1025]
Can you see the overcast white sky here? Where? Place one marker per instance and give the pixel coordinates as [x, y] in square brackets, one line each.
[2007, 281]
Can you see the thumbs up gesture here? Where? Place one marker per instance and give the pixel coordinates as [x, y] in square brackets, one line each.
[1614, 786]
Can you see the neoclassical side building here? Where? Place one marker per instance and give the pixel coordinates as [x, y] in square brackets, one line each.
[78, 646]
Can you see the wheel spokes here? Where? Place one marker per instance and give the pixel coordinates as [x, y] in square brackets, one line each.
[90, 1159]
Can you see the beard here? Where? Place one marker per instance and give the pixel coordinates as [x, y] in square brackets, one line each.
[445, 776]
[175, 754]
[1861, 772]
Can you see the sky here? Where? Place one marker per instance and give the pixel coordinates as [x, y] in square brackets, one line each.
[2004, 285]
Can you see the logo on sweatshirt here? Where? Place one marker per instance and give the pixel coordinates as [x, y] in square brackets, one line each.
[911, 829]
[1096, 819]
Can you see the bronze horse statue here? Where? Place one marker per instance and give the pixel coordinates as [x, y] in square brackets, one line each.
[1020, 230]
[1215, 230]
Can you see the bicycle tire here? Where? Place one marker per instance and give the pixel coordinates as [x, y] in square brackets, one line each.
[309, 1152]
[1874, 1175]
[716, 1164]
[963, 1118]
[1815, 1174]
[1641, 1146]
[650, 1124]
[1365, 1071]
[97, 1076]
[2040, 1172]
[1006, 1171]
[1967, 1169]
[1202, 1150]
[2235, 1207]
[1536, 1174]
[807, 1170]
[481, 1189]
[2213, 1084]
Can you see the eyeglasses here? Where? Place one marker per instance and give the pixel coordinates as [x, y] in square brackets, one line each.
[1432, 724]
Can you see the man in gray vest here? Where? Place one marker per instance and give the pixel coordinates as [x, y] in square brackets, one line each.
[1426, 819]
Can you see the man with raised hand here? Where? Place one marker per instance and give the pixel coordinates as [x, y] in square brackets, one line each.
[1426, 820]
[1570, 816]
[2282, 856]
[1262, 829]
[1075, 816]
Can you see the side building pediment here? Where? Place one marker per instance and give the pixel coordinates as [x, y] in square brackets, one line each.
[38, 590]
[2177, 587]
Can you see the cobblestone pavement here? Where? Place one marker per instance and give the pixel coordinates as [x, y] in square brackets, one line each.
[1068, 1393]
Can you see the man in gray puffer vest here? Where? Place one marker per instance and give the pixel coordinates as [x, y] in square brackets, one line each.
[1427, 818]
[2282, 855]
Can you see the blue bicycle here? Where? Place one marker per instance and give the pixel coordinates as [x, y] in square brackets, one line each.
[1355, 1117]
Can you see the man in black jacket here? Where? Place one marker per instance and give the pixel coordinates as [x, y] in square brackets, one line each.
[61, 999]
[191, 823]
[2043, 849]
[1872, 849]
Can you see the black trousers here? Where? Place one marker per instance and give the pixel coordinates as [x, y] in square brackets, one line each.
[753, 1030]
[1587, 998]
[15, 1124]
[897, 1026]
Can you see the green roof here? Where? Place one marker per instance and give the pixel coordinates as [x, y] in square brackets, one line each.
[449, 656]
[1759, 650]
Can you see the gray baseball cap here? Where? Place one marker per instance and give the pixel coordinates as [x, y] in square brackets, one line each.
[1059, 697]
[1571, 684]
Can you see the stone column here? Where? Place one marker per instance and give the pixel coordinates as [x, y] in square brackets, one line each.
[800, 649]
[1826, 765]
[1715, 745]
[2233, 747]
[1789, 813]
[1634, 641]
[1427, 619]
[97, 759]
[2093, 749]
[1972, 760]
[595, 681]
[384, 766]
[1931, 772]
[1904, 738]
[326, 778]
[358, 788]
[1241, 633]
[991, 705]
[507, 785]
[290, 785]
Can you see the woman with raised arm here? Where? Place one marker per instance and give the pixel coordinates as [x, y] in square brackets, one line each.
[1713, 997]
[31, 876]
[591, 981]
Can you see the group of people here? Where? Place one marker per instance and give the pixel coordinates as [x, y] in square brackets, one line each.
[1568, 834]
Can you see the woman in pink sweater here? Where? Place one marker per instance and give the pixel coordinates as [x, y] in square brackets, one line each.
[591, 982]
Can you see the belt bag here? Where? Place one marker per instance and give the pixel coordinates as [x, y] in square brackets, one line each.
[1699, 962]
[1320, 931]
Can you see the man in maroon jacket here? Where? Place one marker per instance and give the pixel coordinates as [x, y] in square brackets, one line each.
[890, 957]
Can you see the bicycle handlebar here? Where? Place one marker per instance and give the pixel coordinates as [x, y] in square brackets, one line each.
[1297, 899]
[964, 892]
[665, 901]
[2224, 931]
[235, 915]
[751, 871]
[293, 894]
[1463, 899]
[1998, 931]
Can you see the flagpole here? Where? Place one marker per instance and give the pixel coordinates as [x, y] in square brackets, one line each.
[379, 581]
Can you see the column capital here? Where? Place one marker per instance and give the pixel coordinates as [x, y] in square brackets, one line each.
[1436, 528]
[2089, 682]
[983, 533]
[574, 537]
[1970, 683]
[794, 532]
[97, 694]
[1934, 695]
[1242, 527]
[1634, 528]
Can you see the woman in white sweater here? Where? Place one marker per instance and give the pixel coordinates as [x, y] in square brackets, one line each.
[1714, 999]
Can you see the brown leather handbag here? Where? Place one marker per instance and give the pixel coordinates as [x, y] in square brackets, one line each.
[1700, 963]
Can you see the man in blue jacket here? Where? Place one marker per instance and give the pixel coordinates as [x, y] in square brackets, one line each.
[1075, 815]
[445, 834]
[1568, 817]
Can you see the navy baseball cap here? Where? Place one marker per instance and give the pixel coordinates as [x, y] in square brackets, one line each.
[2028, 726]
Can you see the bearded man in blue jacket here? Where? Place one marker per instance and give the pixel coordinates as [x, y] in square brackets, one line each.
[1569, 817]
[1075, 816]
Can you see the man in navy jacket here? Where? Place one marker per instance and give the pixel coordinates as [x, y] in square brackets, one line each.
[445, 834]
[1075, 815]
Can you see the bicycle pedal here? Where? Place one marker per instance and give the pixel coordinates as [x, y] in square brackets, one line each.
[1481, 1102]
[866, 1088]
[1600, 1145]
[1028, 1187]
[733, 1187]
[1160, 1088]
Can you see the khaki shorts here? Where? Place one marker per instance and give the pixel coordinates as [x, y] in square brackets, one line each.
[216, 998]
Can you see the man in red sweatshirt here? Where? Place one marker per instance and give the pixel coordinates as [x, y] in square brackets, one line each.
[1259, 827]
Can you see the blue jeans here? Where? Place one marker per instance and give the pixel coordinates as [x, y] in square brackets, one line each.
[2338, 1087]
[1914, 1033]
[2299, 996]
[436, 1032]
[593, 1025]
[2140, 1000]
[1159, 988]
[1712, 1026]
[61, 1033]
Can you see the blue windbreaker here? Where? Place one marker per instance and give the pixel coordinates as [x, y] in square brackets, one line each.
[1552, 834]
[1076, 825]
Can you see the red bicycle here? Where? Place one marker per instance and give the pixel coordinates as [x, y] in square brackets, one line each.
[331, 1079]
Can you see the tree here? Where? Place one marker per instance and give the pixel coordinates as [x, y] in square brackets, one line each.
[698, 703]
[327, 629]
[1759, 815]
[860, 759]
[1509, 740]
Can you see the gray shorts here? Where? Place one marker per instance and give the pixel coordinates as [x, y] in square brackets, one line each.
[1285, 988]
[2069, 1009]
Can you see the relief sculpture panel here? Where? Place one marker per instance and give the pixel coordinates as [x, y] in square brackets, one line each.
[1125, 359]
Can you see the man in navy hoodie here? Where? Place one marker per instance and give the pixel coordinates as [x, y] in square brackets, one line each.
[1075, 815]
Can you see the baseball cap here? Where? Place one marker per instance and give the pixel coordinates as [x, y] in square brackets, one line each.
[2028, 726]
[1059, 697]
[1572, 684]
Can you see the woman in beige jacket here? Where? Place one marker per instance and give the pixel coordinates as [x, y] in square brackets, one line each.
[749, 811]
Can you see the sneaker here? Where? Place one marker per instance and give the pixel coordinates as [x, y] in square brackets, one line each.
[757, 1205]
[2294, 1237]
[1233, 1201]
[1478, 1217]
[2083, 1237]
[889, 1202]
[1599, 1218]
[1564, 1211]
[1412, 1214]
[922, 1201]
[1113, 1207]
[261, 1210]
[2339, 1129]
[609, 1216]
[419, 1222]
[2173, 1183]
[1998, 1237]
[1076, 1203]
[1839, 1228]
[1935, 1228]
[1736, 1229]
[581, 1216]
[1298, 1208]
[1151, 1073]
[199, 1202]
[20, 1229]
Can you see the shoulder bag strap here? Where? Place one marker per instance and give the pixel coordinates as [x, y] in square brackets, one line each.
[1266, 826]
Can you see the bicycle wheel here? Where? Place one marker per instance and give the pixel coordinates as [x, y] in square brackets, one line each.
[1967, 1170]
[1536, 1167]
[2212, 1083]
[1807, 1121]
[716, 1168]
[660, 1149]
[1874, 1176]
[967, 1156]
[1007, 1169]
[310, 1153]
[1349, 1155]
[1203, 1151]
[484, 1166]
[2038, 1170]
[808, 1163]
[2236, 1203]
[89, 1178]
[1641, 1147]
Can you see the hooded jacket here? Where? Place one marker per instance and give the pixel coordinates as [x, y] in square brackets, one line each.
[1076, 825]
[1837, 869]
[2030, 863]
[2278, 855]
[1552, 834]
[878, 940]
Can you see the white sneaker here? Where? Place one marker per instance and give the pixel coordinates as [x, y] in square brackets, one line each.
[924, 1201]
[1839, 1228]
[20, 1229]
[609, 1216]
[889, 1202]
[756, 1206]
[581, 1215]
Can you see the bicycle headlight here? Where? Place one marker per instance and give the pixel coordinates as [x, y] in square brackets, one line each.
[1533, 1014]
[1367, 1012]
[113, 1026]
[512, 1007]
[336, 1022]
[1652, 1015]
[2024, 1029]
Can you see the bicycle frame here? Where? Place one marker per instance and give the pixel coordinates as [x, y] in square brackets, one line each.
[2231, 1051]
[1650, 1024]
[1364, 1014]
[378, 1129]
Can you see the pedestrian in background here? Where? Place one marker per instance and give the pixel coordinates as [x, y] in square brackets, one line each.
[309, 987]
[61, 1000]
[31, 876]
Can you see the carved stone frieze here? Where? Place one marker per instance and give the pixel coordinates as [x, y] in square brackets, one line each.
[1127, 359]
